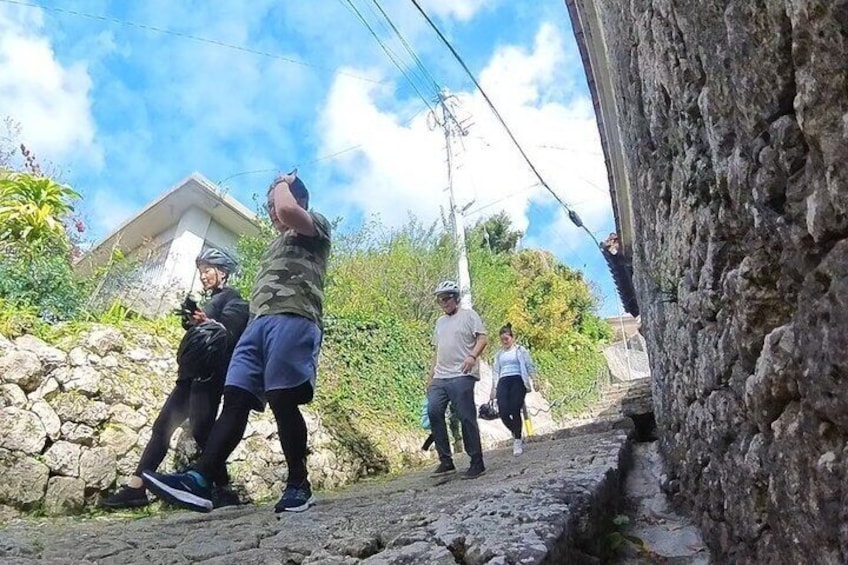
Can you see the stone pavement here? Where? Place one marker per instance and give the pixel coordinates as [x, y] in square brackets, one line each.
[547, 506]
[668, 537]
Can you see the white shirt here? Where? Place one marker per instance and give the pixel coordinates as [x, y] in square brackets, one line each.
[454, 338]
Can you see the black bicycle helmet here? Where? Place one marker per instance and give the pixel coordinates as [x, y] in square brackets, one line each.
[203, 350]
[218, 259]
[488, 411]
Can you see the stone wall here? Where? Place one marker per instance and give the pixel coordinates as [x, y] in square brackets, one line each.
[75, 420]
[733, 115]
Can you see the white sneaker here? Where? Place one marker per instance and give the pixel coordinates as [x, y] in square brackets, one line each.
[517, 447]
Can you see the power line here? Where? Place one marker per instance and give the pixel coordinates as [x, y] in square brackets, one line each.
[327, 157]
[414, 70]
[242, 173]
[571, 150]
[389, 53]
[189, 36]
[499, 200]
[275, 169]
[572, 215]
[408, 47]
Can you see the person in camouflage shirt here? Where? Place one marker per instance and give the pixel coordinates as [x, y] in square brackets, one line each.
[276, 359]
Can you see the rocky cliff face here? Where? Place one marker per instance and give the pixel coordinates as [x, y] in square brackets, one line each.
[734, 119]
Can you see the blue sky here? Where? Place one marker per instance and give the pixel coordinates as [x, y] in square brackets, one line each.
[125, 111]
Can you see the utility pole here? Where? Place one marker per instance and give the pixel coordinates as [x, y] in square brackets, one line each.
[452, 127]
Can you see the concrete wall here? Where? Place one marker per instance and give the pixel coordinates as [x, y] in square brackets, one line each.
[733, 118]
[220, 237]
[169, 270]
[186, 246]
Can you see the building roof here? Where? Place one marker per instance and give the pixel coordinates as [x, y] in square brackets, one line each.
[590, 43]
[193, 191]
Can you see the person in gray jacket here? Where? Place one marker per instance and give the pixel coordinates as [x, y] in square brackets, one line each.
[512, 379]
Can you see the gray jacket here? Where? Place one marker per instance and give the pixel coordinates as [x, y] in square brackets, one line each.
[528, 369]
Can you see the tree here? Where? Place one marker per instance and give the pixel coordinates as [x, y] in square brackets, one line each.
[496, 233]
[32, 208]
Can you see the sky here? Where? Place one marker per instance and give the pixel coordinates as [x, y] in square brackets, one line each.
[126, 98]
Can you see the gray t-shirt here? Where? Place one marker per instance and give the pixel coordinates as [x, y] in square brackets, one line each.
[454, 338]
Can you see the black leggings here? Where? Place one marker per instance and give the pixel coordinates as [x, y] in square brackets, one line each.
[190, 400]
[230, 426]
[510, 394]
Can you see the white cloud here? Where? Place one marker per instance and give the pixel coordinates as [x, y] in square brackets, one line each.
[108, 209]
[400, 167]
[50, 100]
[462, 10]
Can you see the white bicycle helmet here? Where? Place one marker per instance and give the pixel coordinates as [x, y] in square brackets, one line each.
[447, 287]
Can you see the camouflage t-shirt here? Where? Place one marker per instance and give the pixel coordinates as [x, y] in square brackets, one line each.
[291, 274]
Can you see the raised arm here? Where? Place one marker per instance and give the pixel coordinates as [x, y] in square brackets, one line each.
[289, 211]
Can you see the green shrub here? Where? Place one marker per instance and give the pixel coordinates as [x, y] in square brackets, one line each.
[375, 369]
[570, 378]
[40, 277]
[380, 313]
[33, 207]
[16, 320]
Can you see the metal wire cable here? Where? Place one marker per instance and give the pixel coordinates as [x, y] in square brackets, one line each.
[427, 75]
[389, 53]
[414, 70]
[333, 155]
[572, 214]
[189, 36]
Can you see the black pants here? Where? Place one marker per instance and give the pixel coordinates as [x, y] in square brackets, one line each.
[229, 429]
[510, 395]
[459, 392]
[194, 401]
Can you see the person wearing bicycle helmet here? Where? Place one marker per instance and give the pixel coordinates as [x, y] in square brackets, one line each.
[512, 376]
[276, 360]
[459, 338]
[202, 358]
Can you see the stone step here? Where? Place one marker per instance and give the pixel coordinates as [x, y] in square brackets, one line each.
[551, 505]
[633, 398]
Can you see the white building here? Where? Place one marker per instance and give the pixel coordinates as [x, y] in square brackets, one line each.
[162, 241]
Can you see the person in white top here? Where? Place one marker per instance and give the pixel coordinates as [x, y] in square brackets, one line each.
[512, 377]
[459, 338]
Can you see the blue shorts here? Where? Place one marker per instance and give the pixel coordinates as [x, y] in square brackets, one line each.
[277, 351]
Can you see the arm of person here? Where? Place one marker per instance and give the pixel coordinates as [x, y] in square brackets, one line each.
[479, 345]
[234, 318]
[434, 341]
[289, 211]
[431, 372]
[496, 375]
[531, 368]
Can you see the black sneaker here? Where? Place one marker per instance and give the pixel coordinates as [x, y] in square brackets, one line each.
[443, 469]
[296, 498]
[224, 496]
[126, 497]
[474, 471]
[182, 490]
